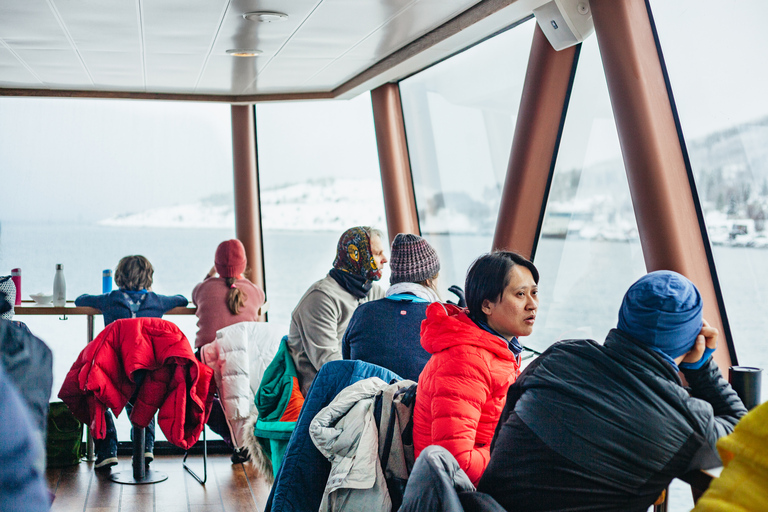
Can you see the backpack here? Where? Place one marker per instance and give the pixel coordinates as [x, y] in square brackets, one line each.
[65, 436]
[393, 413]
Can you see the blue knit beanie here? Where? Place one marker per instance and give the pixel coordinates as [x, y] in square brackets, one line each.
[663, 310]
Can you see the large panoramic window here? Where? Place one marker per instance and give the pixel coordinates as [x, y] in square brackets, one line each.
[589, 252]
[460, 118]
[714, 59]
[87, 182]
[319, 175]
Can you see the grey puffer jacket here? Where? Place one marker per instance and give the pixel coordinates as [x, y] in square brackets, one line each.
[345, 433]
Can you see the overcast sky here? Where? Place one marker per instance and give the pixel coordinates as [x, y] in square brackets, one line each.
[83, 160]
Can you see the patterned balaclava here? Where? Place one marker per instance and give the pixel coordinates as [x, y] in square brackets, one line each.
[353, 255]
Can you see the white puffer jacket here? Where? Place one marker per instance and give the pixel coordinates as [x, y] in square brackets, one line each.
[239, 356]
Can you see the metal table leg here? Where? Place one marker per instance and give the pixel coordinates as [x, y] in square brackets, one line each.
[89, 446]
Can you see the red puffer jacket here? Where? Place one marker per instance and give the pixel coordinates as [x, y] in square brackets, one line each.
[462, 389]
[176, 383]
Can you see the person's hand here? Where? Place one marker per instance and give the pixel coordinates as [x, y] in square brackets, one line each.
[212, 272]
[456, 290]
[707, 339]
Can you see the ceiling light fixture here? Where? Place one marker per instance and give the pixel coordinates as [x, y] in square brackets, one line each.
[265, 16]
[242, 52]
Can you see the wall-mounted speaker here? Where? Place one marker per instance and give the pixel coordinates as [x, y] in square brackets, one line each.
[565, 22]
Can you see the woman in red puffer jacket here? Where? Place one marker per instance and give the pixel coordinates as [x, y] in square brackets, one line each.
[475, 357]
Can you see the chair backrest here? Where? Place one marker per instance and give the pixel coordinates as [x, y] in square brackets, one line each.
[304, 471]
[254, 345]
[239, 356]
[263, 343]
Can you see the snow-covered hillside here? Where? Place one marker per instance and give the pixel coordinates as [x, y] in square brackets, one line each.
[323, 205]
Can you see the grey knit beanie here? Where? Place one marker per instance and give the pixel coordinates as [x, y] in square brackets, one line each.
[413, 260]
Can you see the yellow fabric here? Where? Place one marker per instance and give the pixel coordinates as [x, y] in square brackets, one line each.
[743, 483]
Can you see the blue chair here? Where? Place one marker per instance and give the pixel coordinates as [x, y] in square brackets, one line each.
[300, 483]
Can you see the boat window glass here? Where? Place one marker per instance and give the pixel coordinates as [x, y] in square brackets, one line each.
[588, 253]
[318, 175]
[87, 182]
[460, 118]
[714, 60]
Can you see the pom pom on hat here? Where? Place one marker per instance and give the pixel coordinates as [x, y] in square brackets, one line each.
[230, 258]
[663, 310]
[413, 260]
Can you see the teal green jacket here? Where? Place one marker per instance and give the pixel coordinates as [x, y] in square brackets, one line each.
[279, 399]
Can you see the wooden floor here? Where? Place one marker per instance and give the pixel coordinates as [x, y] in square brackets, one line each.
[235, 487]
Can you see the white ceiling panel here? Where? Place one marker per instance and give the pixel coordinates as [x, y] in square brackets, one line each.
[224, 73]
[293, 71]
[115, 69]
[401, 30]
[13, 73]
[335, 27]
[237, 32]
[216, 78]
[336, 72]
[179, 46]
[181, 27]
[31, 24]
[98, 25]
[59, 69]
[166, 71]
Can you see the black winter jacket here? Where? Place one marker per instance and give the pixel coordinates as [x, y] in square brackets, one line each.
[591, 427]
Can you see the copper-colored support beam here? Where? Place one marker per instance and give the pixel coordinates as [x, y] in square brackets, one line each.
[396, 180]
[247, 205]
[534, 147]
[666, 212]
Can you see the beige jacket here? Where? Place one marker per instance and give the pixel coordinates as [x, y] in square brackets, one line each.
[318, 324]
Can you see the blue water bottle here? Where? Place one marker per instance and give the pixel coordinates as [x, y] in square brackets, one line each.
[106, 281]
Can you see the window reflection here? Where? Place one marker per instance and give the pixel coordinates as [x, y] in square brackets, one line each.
[718, 85]
[90, 181]
[589, 252]
[460, 117]
[318, 175]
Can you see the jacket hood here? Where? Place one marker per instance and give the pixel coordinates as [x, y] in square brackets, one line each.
[448, 326]
[637, 356]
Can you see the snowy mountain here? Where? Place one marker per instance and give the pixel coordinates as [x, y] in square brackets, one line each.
[730, 168]
[322, 205]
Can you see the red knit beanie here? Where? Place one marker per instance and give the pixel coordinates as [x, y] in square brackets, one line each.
[230, 258]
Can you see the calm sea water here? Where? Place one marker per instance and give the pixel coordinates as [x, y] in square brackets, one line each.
[582, 282]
